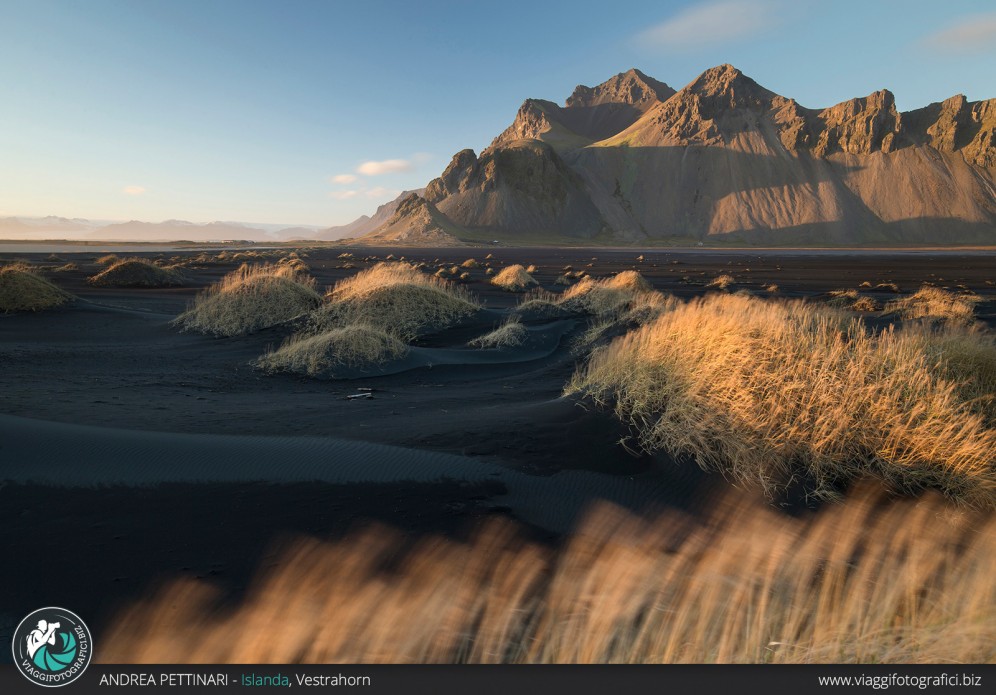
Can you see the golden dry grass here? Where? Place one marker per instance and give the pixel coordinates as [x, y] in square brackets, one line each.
[510, 334]
[611, 295]
[22, 289]
[294, 263]
[765, 391]
[853, 300]
[540, 302]
[107, 260]
[250, 299]
[935, 303]
[136, 272]
[867, 581]
[397, 299]
[722, 281]
[965, 355]
[513, 278]
[66, 268]
[325, 354]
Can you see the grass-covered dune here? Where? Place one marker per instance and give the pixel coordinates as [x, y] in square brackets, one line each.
[369, 319]
[23, 289]
[766, 391]
[331, 351]
[395, 298]
[250, 299]
[513, 278]
[136, 272]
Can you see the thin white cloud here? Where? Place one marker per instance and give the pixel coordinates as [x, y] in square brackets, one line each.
[709, 23]
[343, 195]
[976, 33]
[381, 192]
[344, 178]
[133, 190]
[388, 166]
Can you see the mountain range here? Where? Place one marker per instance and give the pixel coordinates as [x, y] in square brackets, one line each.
[634, 161]
[53, 227]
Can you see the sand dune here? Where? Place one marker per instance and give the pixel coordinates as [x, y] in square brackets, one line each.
[64, 455]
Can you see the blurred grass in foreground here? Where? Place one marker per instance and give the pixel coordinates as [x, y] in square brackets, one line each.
[873, 579]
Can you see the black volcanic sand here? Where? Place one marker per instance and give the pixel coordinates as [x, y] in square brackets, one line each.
[134, 454]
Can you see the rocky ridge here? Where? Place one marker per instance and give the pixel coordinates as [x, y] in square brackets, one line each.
[634, 161]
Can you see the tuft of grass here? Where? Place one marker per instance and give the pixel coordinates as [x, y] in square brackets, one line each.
[934, 303]
[853, 300]
[66, 268]
[295, 263]
[871, 580]
[531, 269]
[513, 278]
[109, 259]
[22, 289]
[469, 263]
[136, 272]
[510, 334]
[607, 296]
[397, 299]
[324, 354]
[764, 391]
[722, 281]
[966, 355]
[541, 303]
[249, 299]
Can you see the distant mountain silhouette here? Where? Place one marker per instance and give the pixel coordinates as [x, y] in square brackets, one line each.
[366, 224]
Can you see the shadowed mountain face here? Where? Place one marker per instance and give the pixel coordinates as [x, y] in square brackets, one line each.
[633, 161]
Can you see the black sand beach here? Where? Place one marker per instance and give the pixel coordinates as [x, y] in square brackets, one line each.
[132, 454]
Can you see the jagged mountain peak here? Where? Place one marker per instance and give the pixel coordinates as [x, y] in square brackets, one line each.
[727, 83]
[589, 114]
[630, 87]
[416, 221]
[723, 157]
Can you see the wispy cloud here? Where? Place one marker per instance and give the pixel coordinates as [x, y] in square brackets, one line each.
[375, 168]
[972, 34]
[343, 195]
[133, 190]
[387, 166]
[710, 23]
[370, 193]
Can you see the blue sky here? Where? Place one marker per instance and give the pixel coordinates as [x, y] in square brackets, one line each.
[308, 112]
